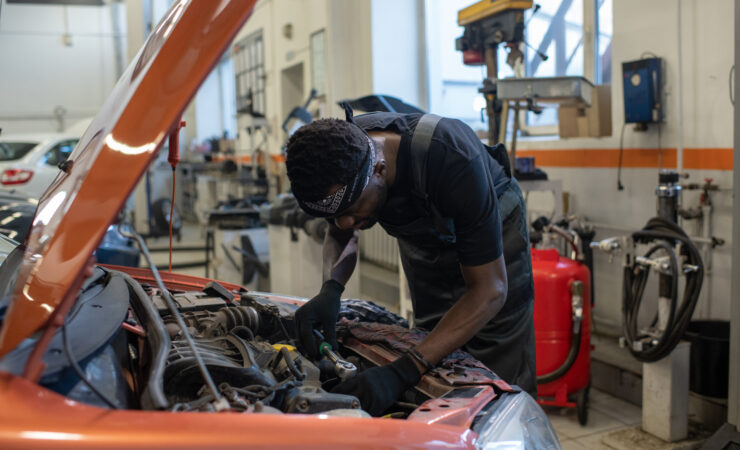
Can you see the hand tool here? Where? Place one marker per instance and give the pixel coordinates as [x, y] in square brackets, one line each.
[343, 369]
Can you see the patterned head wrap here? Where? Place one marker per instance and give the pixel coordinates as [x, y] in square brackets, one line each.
[346, 195]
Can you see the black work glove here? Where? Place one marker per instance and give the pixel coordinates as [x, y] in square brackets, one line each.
[378, 388]
[321, 312]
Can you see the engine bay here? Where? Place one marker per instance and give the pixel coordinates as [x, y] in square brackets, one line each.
[135, 355]
[255, 365]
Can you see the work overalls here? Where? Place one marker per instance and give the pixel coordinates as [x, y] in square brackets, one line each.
[429, 258]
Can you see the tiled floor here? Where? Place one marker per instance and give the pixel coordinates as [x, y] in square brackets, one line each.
[606, 414]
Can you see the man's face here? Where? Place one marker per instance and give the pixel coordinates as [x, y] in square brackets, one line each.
[363, 213]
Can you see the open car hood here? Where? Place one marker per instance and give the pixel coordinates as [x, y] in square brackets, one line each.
[113, 154]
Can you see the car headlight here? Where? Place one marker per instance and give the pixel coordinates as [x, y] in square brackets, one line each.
[516, 421]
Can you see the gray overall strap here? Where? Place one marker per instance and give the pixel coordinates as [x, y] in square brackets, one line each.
[420, 141]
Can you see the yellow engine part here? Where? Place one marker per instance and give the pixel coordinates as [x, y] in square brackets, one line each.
[487, 8]
[280, 346]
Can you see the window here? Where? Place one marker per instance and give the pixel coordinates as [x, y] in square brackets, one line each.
[318, 62]
[59, 153]
[10, 151]
[249, 66]
[604, 25]
[556, 30]
[453, 86]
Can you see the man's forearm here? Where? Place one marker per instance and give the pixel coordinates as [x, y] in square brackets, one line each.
[340, 254]
[463, 321]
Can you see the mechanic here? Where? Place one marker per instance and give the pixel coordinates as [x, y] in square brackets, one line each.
[460, 221]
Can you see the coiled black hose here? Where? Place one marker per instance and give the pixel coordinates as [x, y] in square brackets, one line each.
[666, 233]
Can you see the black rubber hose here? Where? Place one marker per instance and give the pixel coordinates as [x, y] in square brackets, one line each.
[243, 332]
[637, 288]
[588, 256]
[285, 354]
[158, 342]
[575, 346]
[635, 280]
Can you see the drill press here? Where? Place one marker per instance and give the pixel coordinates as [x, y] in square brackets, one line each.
[488, 24]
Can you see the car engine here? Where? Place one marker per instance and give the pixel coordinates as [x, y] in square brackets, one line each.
[131, 353]
[248, 352]
[251, 372]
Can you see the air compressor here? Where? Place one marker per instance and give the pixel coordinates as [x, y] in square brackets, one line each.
[562, 321]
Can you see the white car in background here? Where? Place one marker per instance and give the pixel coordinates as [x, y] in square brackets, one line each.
[29, 162]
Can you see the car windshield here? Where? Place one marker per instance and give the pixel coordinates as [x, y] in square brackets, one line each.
[10, 151]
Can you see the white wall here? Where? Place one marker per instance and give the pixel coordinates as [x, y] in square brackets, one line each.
[706, 32]
[56, 56]
[399, 68]
[270, 16]
[370, 47]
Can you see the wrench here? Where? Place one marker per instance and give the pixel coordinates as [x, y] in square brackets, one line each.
[343, 369]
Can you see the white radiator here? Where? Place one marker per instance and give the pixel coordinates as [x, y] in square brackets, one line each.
[378, 247]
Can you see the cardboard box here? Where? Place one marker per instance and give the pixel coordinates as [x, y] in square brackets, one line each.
[595, 121]
[226, 145]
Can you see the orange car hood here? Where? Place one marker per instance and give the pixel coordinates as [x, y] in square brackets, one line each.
[114, 153]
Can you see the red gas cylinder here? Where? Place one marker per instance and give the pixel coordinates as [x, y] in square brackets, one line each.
[562, 322]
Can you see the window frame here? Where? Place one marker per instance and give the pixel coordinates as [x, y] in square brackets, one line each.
[319, 67]
[250, 74]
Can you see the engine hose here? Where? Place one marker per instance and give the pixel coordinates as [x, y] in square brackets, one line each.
[575, 346]
[285, 355]
[649, 348]
[243, 332]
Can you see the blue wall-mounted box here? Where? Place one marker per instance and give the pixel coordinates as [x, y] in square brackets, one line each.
[642, 91]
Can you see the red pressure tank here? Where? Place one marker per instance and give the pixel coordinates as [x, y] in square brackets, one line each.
[562, 322]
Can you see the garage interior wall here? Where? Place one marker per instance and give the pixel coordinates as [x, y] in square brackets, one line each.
[286, 27]
[59, 63]
[371, 47]
[588, 166]
[362, 57]
[397, 65]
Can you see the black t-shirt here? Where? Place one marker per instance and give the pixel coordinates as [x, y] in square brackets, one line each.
[462, 179]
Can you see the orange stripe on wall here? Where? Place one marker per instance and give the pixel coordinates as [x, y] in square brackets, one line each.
[708, 158]
[603, 158]
[247, 159]
[694, 158]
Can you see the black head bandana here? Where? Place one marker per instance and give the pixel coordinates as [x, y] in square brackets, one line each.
[346, 195]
